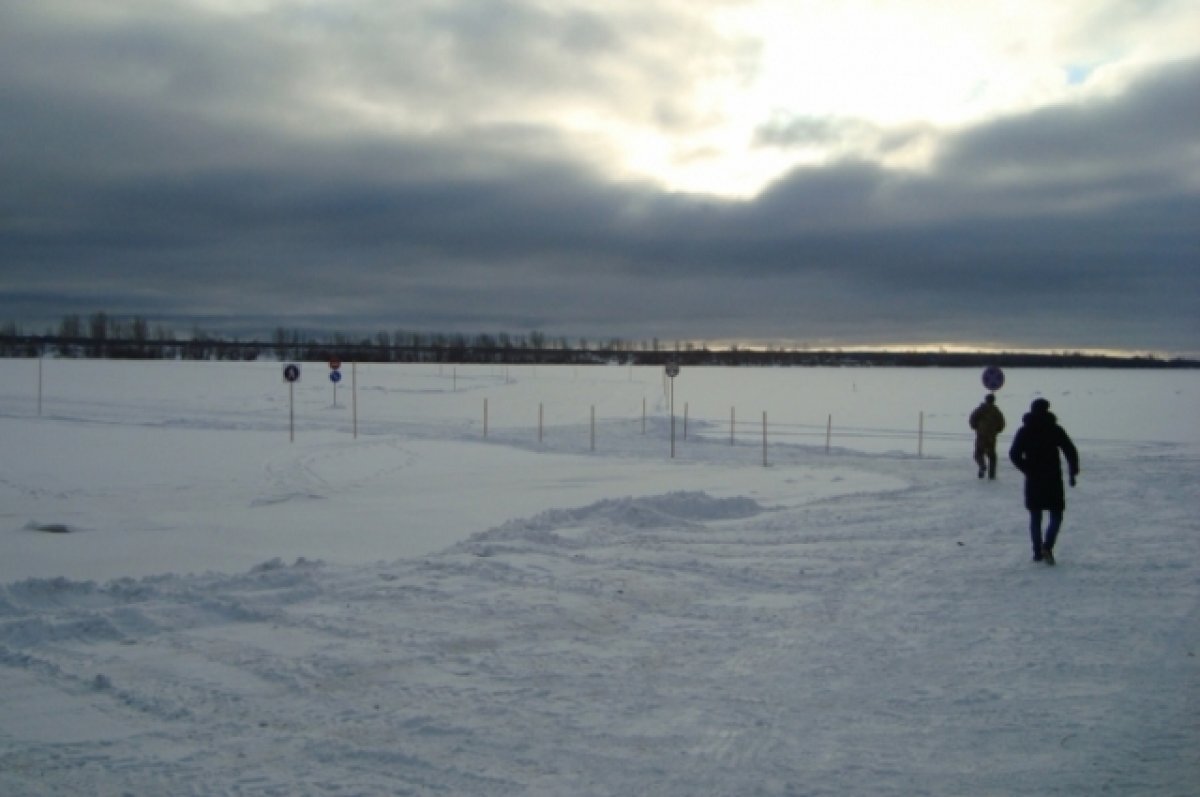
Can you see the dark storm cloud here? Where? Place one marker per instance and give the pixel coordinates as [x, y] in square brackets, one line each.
[1147, 133]
[192, 171]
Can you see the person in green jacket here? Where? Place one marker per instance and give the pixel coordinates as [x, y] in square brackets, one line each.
[988, 421]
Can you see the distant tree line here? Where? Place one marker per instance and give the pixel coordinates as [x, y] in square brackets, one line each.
[101, 335]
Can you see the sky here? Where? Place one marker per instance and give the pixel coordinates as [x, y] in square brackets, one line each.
[1016, 175]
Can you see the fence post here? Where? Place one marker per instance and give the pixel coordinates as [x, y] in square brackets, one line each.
[685, 419]
[764, 438]
[828, 432]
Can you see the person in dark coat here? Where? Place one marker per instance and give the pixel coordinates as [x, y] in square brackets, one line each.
[988, 421]
[1035, 453]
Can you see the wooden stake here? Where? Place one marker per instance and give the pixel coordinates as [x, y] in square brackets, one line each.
[764, 438]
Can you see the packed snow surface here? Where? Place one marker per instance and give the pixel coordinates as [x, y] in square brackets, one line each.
[452, 580]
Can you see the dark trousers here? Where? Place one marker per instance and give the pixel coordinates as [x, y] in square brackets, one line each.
[985, 454]
[1035, 529]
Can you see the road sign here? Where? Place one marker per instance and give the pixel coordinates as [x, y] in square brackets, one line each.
[334, 363]
[993, 378]
[672, 370]
[335, 376]
[291, 375]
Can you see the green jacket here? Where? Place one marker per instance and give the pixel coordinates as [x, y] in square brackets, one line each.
[987, 420]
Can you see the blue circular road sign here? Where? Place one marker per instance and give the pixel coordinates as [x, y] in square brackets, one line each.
[993, 378]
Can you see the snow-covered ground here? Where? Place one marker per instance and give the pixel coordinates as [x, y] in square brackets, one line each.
[402, 601]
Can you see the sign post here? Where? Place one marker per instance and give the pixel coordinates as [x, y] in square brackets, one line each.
[672, 371]
[291, 375]
[335, 376]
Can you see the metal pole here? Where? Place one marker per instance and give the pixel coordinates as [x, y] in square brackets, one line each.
[732, 425]
[593, 427]
[921, 435]
[291, 412]
[485, 418]
[540, 416]
[764, 438]
[685, 419]
[354, 395]
[672, 417]
[40, 359]
[828, 431]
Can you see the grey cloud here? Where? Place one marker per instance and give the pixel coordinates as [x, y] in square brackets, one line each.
[420, 68]
[1067, 227]
[792, 132]
[1151, 129]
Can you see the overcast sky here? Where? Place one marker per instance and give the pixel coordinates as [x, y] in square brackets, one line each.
[1023, 174]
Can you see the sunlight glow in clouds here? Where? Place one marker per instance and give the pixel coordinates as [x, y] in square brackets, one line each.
[719, 97]
[834, 78]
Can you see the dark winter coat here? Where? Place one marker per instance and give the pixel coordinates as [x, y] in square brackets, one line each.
[1035, 453]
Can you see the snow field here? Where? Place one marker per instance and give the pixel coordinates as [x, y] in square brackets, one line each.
[423, 611]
